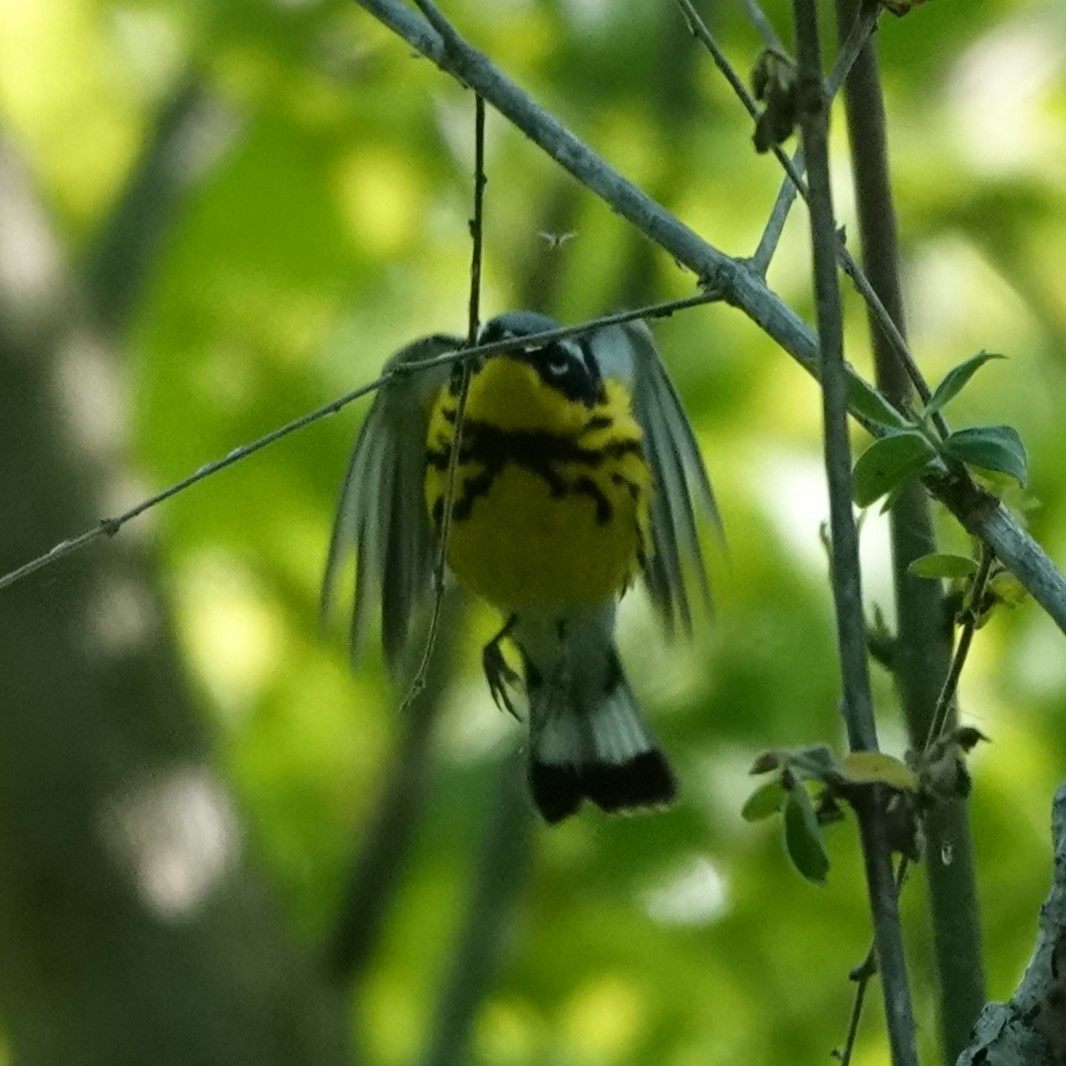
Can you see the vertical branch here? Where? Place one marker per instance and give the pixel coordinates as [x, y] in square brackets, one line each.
[498, 876]
[922, 648]
[847, 590]
[941, 717]
[377, 870]
[858, 705]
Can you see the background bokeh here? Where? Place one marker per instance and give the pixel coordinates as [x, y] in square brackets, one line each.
[323, 177]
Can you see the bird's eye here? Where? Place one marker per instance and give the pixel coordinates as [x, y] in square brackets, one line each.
[558, 367]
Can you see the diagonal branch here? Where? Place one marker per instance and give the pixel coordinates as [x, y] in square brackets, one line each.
[980, 513]
[190, 134]
[732, 278]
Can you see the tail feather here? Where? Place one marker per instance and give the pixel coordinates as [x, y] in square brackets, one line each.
[594, 746]
[558, 788]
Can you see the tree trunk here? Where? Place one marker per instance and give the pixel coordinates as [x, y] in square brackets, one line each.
[131, 928]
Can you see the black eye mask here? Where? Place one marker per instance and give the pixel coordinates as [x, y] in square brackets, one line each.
[568, 366]
[573, 372]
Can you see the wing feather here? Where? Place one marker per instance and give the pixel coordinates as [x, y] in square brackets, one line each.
[382, 513]
[683, 496]
[663, 575]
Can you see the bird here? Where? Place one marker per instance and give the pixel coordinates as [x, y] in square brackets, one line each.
[577, 474]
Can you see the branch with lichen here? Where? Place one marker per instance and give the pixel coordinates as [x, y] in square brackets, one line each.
[1030, 1029]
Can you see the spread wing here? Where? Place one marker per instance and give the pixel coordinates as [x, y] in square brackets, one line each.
[382, 511]
[683, 496]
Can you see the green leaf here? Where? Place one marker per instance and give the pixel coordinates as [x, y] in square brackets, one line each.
[877, 768]
[996, 448]
[764, 802]
[867, 402]
[888, 463]
[803, 837]
[939, 565]
[957, 379]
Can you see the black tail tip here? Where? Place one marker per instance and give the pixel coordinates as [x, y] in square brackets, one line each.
[643, 781]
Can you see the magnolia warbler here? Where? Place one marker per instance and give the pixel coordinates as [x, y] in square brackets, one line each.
[577, 471]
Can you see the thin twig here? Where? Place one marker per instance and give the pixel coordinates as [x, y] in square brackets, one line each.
[862, 975]
[860, 32]
[862, 983]
[858, 704]
[110, 526]
[775, 224]
[763, 26]
[736, 83]
[970, 619]
[374, 877]
[892, 333]
[473, 323]
[436, 18]
[476, 223]
[700, 31]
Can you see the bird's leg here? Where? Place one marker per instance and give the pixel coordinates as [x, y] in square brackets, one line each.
[498, 673]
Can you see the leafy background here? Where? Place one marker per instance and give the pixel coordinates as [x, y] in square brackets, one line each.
[326, 226]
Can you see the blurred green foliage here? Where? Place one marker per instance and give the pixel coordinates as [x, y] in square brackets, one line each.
[331, 229]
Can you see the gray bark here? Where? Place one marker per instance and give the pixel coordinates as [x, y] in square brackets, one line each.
[1030, 1029]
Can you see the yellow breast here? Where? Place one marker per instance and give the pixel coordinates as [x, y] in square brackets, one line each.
[551, 495]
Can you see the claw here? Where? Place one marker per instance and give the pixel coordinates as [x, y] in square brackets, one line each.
[499, 674]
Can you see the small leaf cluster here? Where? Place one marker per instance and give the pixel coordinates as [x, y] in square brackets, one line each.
[1001, 589]
[773, 81]
[808, 784]
[912, 448]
